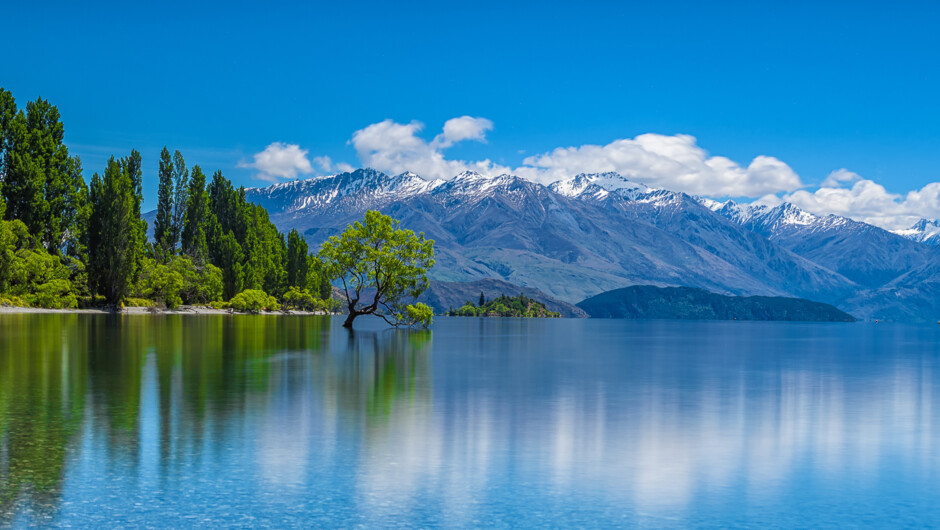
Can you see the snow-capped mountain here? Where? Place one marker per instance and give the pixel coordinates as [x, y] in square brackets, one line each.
[924, 231]
[594, 232]
[868, 255]
[360, 189]
[598, 186]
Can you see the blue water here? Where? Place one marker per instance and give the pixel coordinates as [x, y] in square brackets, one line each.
[291, 421]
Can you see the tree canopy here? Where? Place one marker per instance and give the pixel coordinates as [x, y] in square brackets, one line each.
[376, 259]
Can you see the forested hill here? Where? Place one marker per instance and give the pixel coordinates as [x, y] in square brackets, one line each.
[687, 303]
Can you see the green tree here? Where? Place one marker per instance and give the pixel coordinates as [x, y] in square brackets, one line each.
[482, 300]
[24, 178]
[131, 166]
[112, 238]
[77, 212]
[37, 172]
[378, 255]
[230, 258]
[163, 224]
[7, 115]
[297, 264]
[194, 241]
[180, 197]
[318, 282]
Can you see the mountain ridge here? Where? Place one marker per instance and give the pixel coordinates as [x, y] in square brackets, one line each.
[595, 232]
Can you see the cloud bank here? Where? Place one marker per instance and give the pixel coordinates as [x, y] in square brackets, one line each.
[674, 162]
[849, 195]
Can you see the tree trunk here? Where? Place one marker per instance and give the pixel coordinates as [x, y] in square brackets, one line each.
[349, 320]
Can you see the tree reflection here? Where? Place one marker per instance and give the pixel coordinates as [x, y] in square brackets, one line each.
[42, 397]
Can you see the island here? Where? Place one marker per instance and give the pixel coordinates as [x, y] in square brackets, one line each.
[688, 303]
[504, 306]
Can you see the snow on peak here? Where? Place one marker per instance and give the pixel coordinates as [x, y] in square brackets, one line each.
[598, 185]
[473, 183]
[924, 231]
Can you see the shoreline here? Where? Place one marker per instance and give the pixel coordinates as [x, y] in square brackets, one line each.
[183, 310]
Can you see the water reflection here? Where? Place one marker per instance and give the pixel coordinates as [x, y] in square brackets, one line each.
[293, 420]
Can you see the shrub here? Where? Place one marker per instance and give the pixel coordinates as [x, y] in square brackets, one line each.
[12, 301]
[201, 283]
[303, 300]
[160, 283]
[299, 299]
[138, 302]
[253, 301]
[54, 294]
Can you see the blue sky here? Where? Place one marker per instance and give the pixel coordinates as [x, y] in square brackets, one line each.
[819, 86]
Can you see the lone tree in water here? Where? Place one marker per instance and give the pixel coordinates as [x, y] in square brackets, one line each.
[378, 255]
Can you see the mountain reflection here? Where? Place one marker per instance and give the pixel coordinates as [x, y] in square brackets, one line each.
[214, 415]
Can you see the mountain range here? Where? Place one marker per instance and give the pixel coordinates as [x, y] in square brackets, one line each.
[592, 233]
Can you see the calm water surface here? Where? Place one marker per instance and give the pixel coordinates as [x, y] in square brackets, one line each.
[292, 421]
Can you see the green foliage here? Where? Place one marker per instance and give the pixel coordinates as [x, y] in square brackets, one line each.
[201, 283]
[40, 181]
[114, 239]
[318, 281]
[29, 273]
[297, 264]
[159, 282]
[138, 302]
[162, 225]
[179, 281]
[418, 314]
[377, 254]
[504, 306]
[172, 198]
[12, 301]
[253, 301]
[243, 242]
[180, 197]
[303, 300]
[193, 239]
[54, 294]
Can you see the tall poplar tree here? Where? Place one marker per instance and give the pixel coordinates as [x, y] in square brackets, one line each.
[7, 114]
[194, 236]
[131, 166]
[180, 196]
[163, 224]
[112, 237]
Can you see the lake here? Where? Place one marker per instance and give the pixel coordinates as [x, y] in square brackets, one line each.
[293, 421]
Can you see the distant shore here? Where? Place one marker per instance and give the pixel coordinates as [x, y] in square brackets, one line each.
[183, 310]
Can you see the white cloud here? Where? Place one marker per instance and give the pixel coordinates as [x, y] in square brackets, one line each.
[396, 147]
[840, 177]
[280, 161]
[868, 201]
[323, 162]
[462, 128]
[672, 162]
